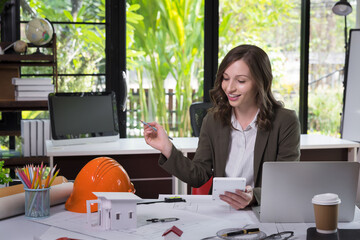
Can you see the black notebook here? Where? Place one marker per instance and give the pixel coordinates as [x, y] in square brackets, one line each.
[341, 234]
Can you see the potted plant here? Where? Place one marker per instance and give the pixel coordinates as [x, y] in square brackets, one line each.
[4, 175]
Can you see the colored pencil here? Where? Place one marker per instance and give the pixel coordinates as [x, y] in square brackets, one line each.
[31, 176]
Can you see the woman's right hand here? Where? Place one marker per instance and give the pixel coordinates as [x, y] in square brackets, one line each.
[158, 139]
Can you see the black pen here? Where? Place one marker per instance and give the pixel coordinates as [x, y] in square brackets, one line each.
[154, 128]
[240, 232]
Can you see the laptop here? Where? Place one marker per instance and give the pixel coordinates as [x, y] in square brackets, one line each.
[83, 117]
[288, 188]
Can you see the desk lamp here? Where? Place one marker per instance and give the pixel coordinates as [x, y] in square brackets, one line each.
[343, 8]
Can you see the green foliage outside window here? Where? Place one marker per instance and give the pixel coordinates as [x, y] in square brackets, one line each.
[170, 36]
[328, 121]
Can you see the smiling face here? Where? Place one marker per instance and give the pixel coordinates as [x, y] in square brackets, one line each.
[239, 86]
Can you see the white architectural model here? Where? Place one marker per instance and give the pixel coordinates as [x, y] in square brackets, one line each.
[116, 210]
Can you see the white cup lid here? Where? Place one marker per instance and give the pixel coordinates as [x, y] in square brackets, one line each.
[326, 199]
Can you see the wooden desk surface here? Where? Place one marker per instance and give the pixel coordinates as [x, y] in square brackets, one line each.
[315, 141]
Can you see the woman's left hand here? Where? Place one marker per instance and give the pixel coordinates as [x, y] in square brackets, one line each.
[239, 199]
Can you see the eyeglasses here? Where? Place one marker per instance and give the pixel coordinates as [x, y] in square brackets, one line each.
[259, 235]
[281, 235]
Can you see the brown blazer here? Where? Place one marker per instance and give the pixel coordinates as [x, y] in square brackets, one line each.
[280, 143]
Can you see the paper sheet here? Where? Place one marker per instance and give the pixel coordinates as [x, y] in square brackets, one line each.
[197, 220]
[194, 226]
[198, 217]
[15, 204]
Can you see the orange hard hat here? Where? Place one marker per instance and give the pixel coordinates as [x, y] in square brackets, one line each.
[102, 174]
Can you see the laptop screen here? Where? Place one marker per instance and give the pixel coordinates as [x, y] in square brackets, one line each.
[83, 115]
[288, 188]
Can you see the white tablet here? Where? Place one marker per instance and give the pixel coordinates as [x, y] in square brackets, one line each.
[222, 184]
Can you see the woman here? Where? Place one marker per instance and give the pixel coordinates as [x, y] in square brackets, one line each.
[245, 128]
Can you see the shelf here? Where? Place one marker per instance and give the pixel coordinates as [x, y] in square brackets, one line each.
[12, 105]
[21, 59]
[22, 161]
[34, 59]
[10, 133]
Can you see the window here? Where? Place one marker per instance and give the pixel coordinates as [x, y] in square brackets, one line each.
[165, 42]
[80, 30]
[274, 26]
[326, 63]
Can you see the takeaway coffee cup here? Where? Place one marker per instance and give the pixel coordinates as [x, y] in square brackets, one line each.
[326, 208]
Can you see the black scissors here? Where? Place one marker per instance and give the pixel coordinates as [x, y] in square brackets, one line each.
[162, 219]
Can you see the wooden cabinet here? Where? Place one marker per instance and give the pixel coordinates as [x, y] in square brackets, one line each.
[10, 66]
[148, 178]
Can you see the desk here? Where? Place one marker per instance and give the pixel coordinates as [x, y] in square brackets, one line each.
[319, 147]
[140, 160]
[199, 218]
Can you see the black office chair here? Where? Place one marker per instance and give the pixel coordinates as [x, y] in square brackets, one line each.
[198, 110]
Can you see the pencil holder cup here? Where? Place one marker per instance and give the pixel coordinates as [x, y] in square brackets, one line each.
[37, 202]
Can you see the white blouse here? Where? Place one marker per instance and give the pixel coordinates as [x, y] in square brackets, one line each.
[240, 162]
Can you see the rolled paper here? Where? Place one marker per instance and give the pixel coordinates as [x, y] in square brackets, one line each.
[14, 204]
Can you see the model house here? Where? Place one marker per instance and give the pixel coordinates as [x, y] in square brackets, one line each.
[117, 210]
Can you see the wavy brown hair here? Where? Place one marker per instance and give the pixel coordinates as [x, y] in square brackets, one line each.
[260, 68]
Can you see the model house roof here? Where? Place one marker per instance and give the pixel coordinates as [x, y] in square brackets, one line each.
[118, 196]
[173, 229]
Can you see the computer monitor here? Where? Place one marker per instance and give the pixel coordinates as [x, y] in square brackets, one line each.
[83, 117]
